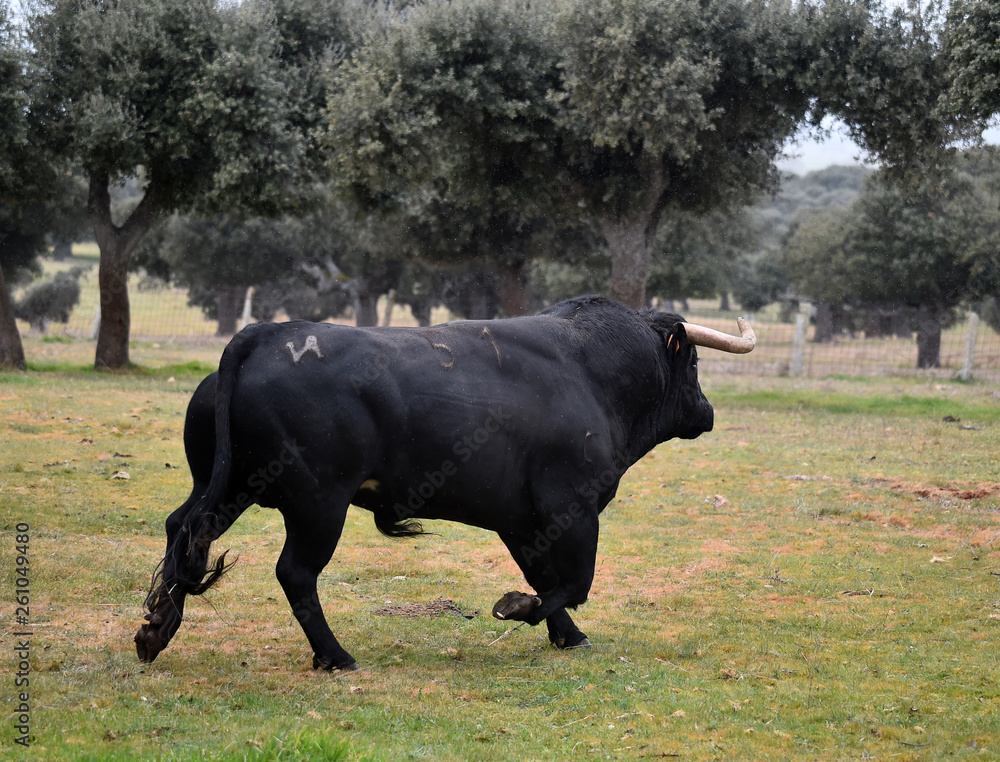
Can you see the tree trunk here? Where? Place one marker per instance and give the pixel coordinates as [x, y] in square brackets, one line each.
[724, 302]
[116, 244]
[365, 306]
[479, 297]
[390, 305]
[629, 261]
[116, 316]
[630, 236]
[928, 337]
[11, 348]
[900, 322]
[838, 319]
[824, 323]
[876, 324]
[421, 309]
[228, 302]
[512, 298]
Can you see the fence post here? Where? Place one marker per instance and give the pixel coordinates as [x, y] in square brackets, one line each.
[247, 308]
[969, 360]
[797, 364]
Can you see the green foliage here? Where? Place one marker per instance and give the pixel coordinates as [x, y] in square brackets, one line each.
[881, 70]
[972, 49]
[698, 255]
[552, 281]
[934, 245]
[924, 248]
[22, 240]
[504, 111]
[930, 245]
[677, 87]
[222, 251]
[443, 112]
[191, 91]
[50, 300]
[451, 93]
[194, 93]
[828, 188]
[217, 258]
[761, 280]
[26, 172]
[14, 140]
[816, 257]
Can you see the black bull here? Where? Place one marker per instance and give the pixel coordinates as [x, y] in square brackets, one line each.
[521, 426]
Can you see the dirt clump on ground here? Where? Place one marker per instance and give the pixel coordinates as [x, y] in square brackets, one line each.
[434, 608]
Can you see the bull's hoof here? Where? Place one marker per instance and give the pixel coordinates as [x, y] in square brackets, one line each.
[148, 644]
[329, 666]
[566, 642]
[516, 606]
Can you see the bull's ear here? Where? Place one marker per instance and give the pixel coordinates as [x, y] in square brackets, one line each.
[676, 339]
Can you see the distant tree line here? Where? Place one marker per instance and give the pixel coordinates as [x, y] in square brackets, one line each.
[490, 154]
[906, 258]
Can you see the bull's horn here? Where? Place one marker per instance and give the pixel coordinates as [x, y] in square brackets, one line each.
[701, 336]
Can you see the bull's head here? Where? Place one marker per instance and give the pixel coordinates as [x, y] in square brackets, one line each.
[691, 414]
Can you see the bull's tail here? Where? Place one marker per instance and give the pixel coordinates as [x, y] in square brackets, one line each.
[185, 569]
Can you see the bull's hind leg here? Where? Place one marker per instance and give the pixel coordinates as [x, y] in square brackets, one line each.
[560, 566]
[310, 539]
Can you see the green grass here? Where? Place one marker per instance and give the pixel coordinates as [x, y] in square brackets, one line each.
[815, 579]
[926, 401]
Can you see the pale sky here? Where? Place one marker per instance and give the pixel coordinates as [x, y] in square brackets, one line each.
[808, 154]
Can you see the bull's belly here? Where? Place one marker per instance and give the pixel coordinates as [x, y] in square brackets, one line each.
[432, 497]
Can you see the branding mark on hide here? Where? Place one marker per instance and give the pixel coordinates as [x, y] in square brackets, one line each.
[311, 345]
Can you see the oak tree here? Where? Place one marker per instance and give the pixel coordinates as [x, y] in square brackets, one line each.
[190, 92]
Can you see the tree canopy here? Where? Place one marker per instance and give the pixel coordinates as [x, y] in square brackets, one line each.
[191, 92]
[442, 115]
[972, 48]
[617, 113]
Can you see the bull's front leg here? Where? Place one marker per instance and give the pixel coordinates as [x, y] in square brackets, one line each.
[558, 561]
[563, 632]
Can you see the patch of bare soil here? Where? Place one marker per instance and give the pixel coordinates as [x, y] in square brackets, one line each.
[434, 608]
[954, 491]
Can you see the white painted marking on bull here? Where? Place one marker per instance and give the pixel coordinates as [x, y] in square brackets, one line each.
[311, 345]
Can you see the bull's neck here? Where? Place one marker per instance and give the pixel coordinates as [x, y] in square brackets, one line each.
[639, 429]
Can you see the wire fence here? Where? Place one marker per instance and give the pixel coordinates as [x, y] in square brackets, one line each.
[161, 313]
[778, 353]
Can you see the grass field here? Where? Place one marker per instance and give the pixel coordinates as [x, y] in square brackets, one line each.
[818, 578]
